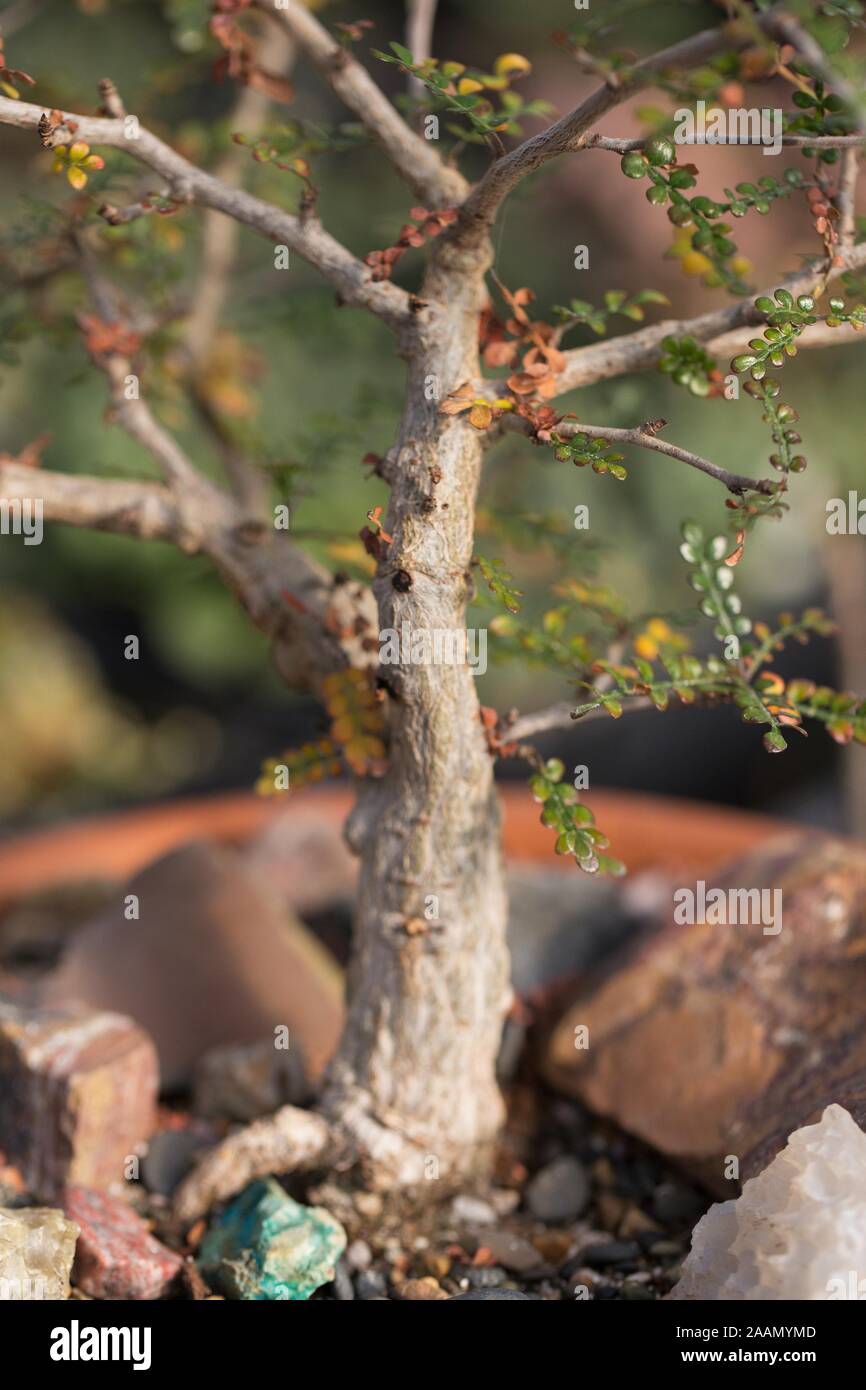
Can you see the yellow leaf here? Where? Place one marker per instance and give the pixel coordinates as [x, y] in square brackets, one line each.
[466, 85]
[78, 149]
[509, 64]
[77, 178]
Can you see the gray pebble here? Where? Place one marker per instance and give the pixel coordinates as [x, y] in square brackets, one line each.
[560, 1191]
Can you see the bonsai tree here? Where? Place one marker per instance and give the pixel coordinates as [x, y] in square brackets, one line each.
[411, 1094]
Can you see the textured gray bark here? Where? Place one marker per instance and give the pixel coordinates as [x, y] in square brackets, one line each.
[413, 1082]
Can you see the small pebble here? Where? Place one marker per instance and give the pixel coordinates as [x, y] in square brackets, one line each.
[512, 1251]
[370, 1284]
[170, 1155]
[472, 1211]
[343, 1286]
[422, 1290]
[559, 1192]
[612, 1252]
[359, 1255]
[489, 1277]
[489, 1294]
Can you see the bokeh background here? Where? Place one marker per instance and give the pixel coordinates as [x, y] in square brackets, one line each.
[313, 388]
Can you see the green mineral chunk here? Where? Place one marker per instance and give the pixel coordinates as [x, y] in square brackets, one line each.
[267, 1246]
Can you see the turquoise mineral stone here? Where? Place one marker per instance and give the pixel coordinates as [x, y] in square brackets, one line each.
[267, 1246]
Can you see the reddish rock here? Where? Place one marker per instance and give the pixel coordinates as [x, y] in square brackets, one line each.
[116, 1256]
[714, 1040]
[306, 861]
[212, 958]
[77, 1095]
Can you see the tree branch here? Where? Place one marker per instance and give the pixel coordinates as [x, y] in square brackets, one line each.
[420, 19]
[634, 352]
[349, 276]
[126, 507]
[562, 716]
[734, 482]
[414, 158]
[786, 29]
[479, 209]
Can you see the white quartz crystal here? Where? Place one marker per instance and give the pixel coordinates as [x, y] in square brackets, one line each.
[797, 1231]
[37, 1246]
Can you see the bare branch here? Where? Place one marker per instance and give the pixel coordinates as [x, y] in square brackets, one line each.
[220, 234]
[643, 439]
[826, 142]
[420, 19]
[634, 352]
[127, 507]
[847, 197]
[562, 716]
[414, 158]
[349, 276]
[570, 132]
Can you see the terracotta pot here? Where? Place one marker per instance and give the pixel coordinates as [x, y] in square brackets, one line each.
[645, 831]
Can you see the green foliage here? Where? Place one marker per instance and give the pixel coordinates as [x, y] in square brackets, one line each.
[462, 91]
[821, 113]
[713, 579]
[710, 234]
[688, 364]
[574, 823]
[579, 311]
[580, 450]
[499, 582]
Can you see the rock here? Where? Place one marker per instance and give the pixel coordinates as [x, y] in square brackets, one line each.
[422, 1290]
[370, 1284]
[558, 925]
[610, 1252]
[116, 1256]
[560, 1191]
[305, 859]
[467, 1210]
[36, 1249]
[512, 1251]
[170, 1155]
[77, 1095]
[244, 1081]
[267, 1246]
[491, 1294]
[798, 1231]
[344, 1289]
[213, 958]
[359, 1255]
[712, 1041]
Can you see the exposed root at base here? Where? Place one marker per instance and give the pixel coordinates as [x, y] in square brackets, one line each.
[368, 1154]
[289, 1141]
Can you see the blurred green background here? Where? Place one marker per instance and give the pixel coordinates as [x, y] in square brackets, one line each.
[313, 388]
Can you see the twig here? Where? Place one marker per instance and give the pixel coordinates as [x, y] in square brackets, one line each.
[737, 483]
[128, 507]
[420, 19]
[349, 276]
[562, 716]
[634, 352]
[786, 29]
[846, 198]
[414, 158]
[826, 142]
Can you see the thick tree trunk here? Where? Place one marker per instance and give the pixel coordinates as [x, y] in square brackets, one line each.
[413, 1084]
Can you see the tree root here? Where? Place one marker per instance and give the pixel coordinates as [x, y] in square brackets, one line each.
[288, 1141]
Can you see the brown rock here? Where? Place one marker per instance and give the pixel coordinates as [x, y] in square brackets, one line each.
[711, 1040]
[213, 958]
[422, 1289]
[244, 1081]
[305, 861]
[77, 1095]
